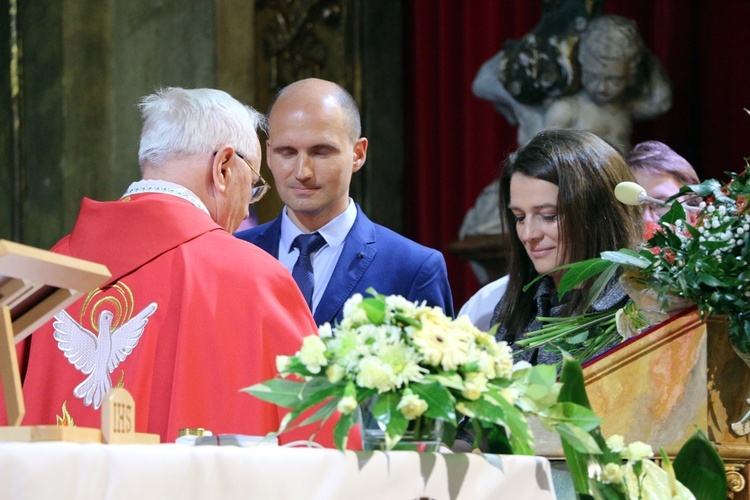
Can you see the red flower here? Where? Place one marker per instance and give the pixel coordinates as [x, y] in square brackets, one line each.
[669, 255]
[651, 229]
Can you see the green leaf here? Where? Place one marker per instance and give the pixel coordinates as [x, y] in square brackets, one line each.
[626, 257]
[577, 438]
[440, 402]
[700, 469]
[452, 380]
[287, 393]
[375, 310]
[675, 212]
[342, 428]
[321, 413]
[571, 413]
[521, 438]
[580, 272]
[574, 391]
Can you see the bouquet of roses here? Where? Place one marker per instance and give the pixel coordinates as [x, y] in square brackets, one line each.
[404, 362]
[701, 260]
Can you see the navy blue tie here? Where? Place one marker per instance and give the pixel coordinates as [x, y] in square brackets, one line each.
[303, 270]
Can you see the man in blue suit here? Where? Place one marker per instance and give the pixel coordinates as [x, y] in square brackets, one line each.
[314, 146]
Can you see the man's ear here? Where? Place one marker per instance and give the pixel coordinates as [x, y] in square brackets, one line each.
[360, 153]
[221, 168]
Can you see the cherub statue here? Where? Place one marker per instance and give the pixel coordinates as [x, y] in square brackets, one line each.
[621, 81]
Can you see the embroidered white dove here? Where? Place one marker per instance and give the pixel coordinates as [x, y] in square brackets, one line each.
[95, 356]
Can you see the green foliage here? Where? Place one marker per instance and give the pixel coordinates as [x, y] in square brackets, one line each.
[699, 467]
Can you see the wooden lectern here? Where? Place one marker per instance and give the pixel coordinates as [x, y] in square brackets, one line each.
[660, 386]
[681, 374]
[34, 285]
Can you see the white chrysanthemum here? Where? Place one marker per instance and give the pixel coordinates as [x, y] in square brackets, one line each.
[404, 361]
[401, 305]
[612, 474]
[335, 373]
[347, 404]
[352, 304]
[374, 374]
[325, 331]
[282, 364]
[359, 317]
[636, 451]
[412, 406]
[347, 348]
[616, 443]
[474, 385]
[312, 353]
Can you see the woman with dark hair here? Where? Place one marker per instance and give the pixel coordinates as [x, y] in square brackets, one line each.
[557, 198]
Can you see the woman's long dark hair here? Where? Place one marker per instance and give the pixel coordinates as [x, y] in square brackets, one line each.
[590, 219]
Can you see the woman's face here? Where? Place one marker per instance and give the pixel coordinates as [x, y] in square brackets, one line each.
[534, 206]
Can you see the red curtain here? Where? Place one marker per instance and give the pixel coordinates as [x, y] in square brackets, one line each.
[457, 141]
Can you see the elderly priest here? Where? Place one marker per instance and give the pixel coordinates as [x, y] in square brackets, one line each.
[191, 314]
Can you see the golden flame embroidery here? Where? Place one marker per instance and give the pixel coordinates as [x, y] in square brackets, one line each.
[66, 420]
[121, 383]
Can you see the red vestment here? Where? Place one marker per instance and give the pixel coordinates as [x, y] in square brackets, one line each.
[217, 309]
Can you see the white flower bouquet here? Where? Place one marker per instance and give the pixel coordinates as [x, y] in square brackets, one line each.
[404, 361]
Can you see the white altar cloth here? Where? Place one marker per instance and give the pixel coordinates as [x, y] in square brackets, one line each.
[93, 471]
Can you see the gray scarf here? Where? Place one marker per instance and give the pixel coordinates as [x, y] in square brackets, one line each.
[548, 305]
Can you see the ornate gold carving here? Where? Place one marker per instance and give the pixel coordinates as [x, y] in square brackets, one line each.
[735, 480]
[299, 37]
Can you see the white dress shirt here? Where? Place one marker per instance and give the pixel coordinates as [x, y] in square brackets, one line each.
[325, 259]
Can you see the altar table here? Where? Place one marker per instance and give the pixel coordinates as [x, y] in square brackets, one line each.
[96, 471]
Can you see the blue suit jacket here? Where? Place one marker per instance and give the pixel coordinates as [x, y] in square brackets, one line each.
[373, 256]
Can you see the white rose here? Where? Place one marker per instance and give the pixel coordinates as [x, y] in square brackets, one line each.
[347, 404]
[616, 443]
[412, 406]
[612, 474]
[335, 373]
[636, 451]
[282, 364]
[312, 353]
[474, 385]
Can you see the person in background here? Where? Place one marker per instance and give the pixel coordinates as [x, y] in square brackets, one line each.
[191, 314]
[314, 146]
[558, 203]
[661, 172]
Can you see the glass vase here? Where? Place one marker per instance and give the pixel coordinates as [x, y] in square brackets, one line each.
[422, 434]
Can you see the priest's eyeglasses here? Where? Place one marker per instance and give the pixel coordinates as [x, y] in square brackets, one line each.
[259, 191]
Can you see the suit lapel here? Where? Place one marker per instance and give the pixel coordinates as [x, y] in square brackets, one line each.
[357, 255]
[269, 238]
